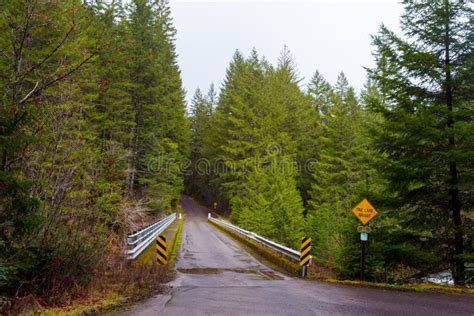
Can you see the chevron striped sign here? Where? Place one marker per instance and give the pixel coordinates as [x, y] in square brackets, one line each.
[161, 252]
[305, 250]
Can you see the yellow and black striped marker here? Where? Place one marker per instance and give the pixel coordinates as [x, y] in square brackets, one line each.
[305, 250]
[161, 252]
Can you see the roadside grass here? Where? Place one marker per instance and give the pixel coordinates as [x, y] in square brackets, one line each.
[420, 287]
[176, 244]
[138, 280]
[134, 283]
[101, 304]
[279, 263]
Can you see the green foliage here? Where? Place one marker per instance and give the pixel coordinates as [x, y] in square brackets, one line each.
[198, 174]
[91, 101]
[250, 145]
[390, 257]
[425, 137]
[92, 115]
[269, 203]
[161, 132]
[341, 173]
[41, 53]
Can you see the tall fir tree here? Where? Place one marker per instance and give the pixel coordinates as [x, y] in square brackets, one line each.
[426, 135]
[48, 197]
[113, 116]
[301, 121]
[75, 84]
[252, 138]
[161, 132]
[338, 174]
[202, 107]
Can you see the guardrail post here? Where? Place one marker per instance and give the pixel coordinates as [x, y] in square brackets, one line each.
[208, 215]
[161, 251]
[305, 257]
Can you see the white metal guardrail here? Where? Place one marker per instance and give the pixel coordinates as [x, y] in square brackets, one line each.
[292, 254]
[140, 240]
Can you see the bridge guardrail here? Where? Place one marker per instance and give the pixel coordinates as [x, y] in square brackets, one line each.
[140, 240]
[292, 254]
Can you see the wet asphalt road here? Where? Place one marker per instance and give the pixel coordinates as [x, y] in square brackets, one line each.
[217, 277]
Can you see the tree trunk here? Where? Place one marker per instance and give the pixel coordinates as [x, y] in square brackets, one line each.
[455, 202]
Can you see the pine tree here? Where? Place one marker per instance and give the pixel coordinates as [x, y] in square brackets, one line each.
[200, 123]
[252, 134]
[426, 135]
[48, 197]
[270, 203]
[235, 126]
[112, 116]
[390, 257]
[301, 119]
[338, 175]
[319, 91]
[161, 131]
[77, 80]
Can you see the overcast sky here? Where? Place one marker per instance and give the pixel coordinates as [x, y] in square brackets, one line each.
[330, 36]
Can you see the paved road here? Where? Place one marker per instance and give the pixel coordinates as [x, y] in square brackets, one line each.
[217, 277]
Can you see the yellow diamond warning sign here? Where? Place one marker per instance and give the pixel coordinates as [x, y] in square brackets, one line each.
[364, 211]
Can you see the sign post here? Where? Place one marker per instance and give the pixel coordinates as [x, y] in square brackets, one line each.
[365, 212]
[305, 257]
[161, 251]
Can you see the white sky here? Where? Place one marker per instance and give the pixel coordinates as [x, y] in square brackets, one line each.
[331, 36]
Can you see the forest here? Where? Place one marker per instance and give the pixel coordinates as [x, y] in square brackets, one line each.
[96, 139]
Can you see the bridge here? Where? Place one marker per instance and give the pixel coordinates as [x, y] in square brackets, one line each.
[217, 275]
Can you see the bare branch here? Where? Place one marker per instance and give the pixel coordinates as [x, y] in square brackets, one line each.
[30, 93]
[47, 84]
[45, 59]
[30, 10]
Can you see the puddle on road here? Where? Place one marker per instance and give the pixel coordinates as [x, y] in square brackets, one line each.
[261, 274]
[201, 271]
[188, 255]
[271, 275]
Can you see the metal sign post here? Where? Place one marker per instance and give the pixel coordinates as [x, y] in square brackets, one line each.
[363, 239]
[305, 257]
[365, 212]
[161, 251]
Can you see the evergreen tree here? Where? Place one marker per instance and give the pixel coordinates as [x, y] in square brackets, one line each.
[75, 93]
[390, 257]
[301, 120]
[319, 91]
[253, 137]
[200, 123]
[44, 46]
[426, 135]
[270, 203]
[161, 132]
[112, 116]
[338, 175]
[236, 133]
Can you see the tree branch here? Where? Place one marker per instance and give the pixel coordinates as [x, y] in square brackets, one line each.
[51, 53]
[47, 84]
[30, 93]
[31, 7]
